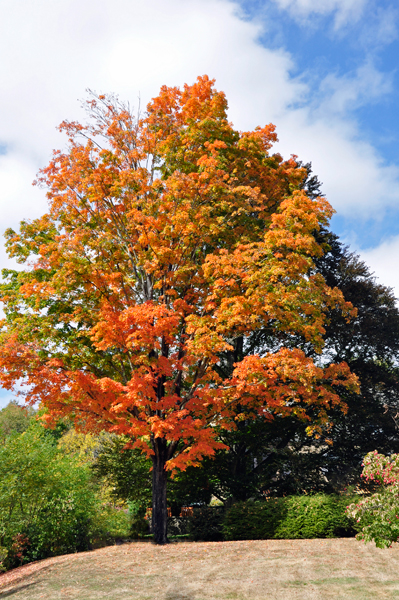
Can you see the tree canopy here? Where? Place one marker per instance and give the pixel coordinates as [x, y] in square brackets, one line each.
[14, 419]
[169, 241]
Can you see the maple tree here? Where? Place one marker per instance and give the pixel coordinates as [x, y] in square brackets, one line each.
[168, 236]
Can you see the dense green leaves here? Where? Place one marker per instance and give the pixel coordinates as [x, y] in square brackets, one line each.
[44, 497]
[126, 470]
[14, 419]
[292, 517]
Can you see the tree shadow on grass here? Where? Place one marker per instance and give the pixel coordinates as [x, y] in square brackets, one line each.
[15, 590]
[20, 579]
[178, 593]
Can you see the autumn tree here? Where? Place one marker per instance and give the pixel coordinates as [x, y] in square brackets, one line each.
[169, 235]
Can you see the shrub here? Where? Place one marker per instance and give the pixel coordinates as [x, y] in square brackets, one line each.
[205, 524]
[377, 515]
[3, 558]
[126, 470]
[317, 516]
[109, 524]
[254, 521]
[46, 500]
[139, 526]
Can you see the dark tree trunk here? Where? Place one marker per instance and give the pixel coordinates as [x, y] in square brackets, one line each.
[159, 504]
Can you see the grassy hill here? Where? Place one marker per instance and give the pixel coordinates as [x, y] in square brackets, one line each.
[338, 569]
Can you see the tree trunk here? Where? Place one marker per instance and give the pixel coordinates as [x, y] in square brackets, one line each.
[159, 503]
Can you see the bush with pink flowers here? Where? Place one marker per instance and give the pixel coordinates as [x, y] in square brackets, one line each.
[378, 514]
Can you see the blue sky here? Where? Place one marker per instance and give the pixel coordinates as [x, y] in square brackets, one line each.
[324, 71]
[354, 45]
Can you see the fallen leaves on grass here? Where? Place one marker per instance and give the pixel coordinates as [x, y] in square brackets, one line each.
[241, 570]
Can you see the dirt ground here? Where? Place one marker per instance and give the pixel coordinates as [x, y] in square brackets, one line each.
[339, 569]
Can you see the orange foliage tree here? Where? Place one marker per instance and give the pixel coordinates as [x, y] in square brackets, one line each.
[168, 235]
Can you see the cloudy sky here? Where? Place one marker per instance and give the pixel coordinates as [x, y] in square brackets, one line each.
[323, 71]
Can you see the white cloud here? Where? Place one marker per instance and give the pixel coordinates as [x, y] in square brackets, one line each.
[344, 10]
[19, 199]
[377, 22]
[51, 51]
[384, 261]
[355, 178]
[324, 131]
[341, 95]
[386, 30]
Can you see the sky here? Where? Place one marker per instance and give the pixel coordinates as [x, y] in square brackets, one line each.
[323, 71]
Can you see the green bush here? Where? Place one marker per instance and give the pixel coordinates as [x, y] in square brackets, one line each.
[139, 526]
[110, 524]
[127, 471]
[318, 516]
[254, 521]
[206, 524]
[47, 502]
[377, 514]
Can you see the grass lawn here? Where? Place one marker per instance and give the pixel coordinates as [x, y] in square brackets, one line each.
[272, 569]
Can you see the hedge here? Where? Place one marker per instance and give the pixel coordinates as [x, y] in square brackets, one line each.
[293, 517]
[206, 524]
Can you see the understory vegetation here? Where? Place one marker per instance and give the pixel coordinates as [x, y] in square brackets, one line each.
[62, 491]
[50, 501]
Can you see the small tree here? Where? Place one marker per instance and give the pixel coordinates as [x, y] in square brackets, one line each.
[47, 502]
[168, 235]
[14, 419]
